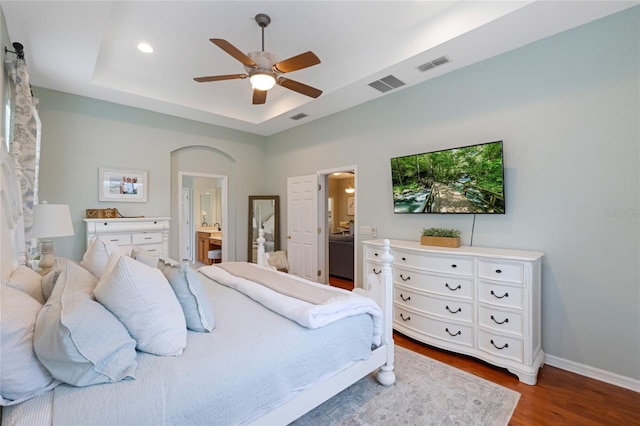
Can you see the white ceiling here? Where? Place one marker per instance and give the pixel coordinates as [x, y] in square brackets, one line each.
[89, 48]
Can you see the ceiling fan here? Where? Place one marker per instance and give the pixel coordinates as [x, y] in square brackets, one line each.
[264, 69]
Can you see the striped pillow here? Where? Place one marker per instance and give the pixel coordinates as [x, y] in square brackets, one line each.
[142, 299]
[22, 375]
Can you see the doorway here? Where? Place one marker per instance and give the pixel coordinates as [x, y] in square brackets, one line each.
[203, 206]
[340, 224]
[321, 216]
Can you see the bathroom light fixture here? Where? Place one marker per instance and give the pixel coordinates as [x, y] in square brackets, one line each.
[350, 189]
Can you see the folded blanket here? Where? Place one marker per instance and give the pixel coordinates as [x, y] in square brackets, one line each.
[317, 306]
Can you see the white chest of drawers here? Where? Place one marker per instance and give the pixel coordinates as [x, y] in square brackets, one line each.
[478, 301]
[150, 233]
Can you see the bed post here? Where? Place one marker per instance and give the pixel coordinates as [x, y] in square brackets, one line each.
[261, 259]
[386, 376]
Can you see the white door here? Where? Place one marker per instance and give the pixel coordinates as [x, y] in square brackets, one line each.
[302, 226]
[186, 227]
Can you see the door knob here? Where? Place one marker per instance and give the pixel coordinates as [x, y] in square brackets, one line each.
[288, 237]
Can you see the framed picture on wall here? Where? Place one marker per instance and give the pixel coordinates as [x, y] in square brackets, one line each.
[122, 185]
[351, 209]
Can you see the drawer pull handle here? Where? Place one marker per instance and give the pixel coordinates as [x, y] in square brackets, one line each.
[505, 346]
[403, 318]
[377, 272]
[405, 279]
[499, 322]
[454, 266]
[499, 297]
[148, 238]
[498, 271]
[455, 312]
[375, 254]
[151, 250]
[117, 239]
[404, 258]
[405, 299]
[456, 334]
[451, 288]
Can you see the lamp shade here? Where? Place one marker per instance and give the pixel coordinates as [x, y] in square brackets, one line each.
[51, 220]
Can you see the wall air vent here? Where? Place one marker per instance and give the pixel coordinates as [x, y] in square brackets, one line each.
[386, 83]
[435, 63]
[299, 116]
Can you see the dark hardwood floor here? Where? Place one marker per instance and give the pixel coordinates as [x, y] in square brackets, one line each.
[340, 282]
[558, 398]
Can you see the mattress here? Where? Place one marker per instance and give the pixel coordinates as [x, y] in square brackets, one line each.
[254, 361]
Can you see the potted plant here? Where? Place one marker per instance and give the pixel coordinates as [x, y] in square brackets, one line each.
[441, 237]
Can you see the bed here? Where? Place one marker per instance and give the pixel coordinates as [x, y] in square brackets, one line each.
[263, 357]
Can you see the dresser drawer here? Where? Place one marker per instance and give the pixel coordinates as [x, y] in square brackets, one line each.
[443, 330]
[451, 285]
[153, 249]
[450, 309]
[146, 237]
[501, 271]
[443, 264]
[501, 295]
[373, 253]
[372, 268]
[505, 347]
[117, 239]
[505, 321]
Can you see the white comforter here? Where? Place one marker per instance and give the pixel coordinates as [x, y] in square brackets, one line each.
[253, 361]
[309, 315]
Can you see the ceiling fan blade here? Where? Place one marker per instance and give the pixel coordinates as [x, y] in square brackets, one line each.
[233, 51]
[299, 87]
[259, 96]
[220, 77]
[298, 62]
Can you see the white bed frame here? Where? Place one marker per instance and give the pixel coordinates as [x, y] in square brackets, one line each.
[379, 289]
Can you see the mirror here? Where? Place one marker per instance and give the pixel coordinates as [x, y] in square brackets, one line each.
[263, 213]
[206, 209]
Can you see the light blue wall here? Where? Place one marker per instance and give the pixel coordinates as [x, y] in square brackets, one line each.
[567, 108]
[81, 134]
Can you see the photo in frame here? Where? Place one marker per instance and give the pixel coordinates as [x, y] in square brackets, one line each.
[122, 185]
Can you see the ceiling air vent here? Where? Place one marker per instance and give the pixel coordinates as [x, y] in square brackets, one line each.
[386, 83]
[435, 63]
[299, 116]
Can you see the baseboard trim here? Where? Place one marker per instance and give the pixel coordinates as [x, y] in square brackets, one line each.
[594, 373]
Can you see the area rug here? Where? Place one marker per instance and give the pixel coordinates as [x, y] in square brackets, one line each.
[426, 392]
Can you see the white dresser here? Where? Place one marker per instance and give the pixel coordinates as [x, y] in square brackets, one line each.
[150, 233]
[477, 301]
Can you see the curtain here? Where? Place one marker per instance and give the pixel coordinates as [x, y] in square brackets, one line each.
[25, 147]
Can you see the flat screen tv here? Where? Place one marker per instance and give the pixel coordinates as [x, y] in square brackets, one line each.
[468, 179]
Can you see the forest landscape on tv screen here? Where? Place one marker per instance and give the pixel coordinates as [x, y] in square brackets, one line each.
[467, 179]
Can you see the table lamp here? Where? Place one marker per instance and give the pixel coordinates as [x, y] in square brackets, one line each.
[50, 221]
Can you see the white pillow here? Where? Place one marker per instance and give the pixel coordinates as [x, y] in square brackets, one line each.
[49, 280]
[142, 299]
[145, 256]
[79, 340]
[194, 300]
[27, 280]
[22, 375]
[97, 255]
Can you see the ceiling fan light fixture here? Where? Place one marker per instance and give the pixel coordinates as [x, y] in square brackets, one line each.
[262, 80]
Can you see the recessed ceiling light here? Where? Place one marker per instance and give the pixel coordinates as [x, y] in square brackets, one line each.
[144, 47]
